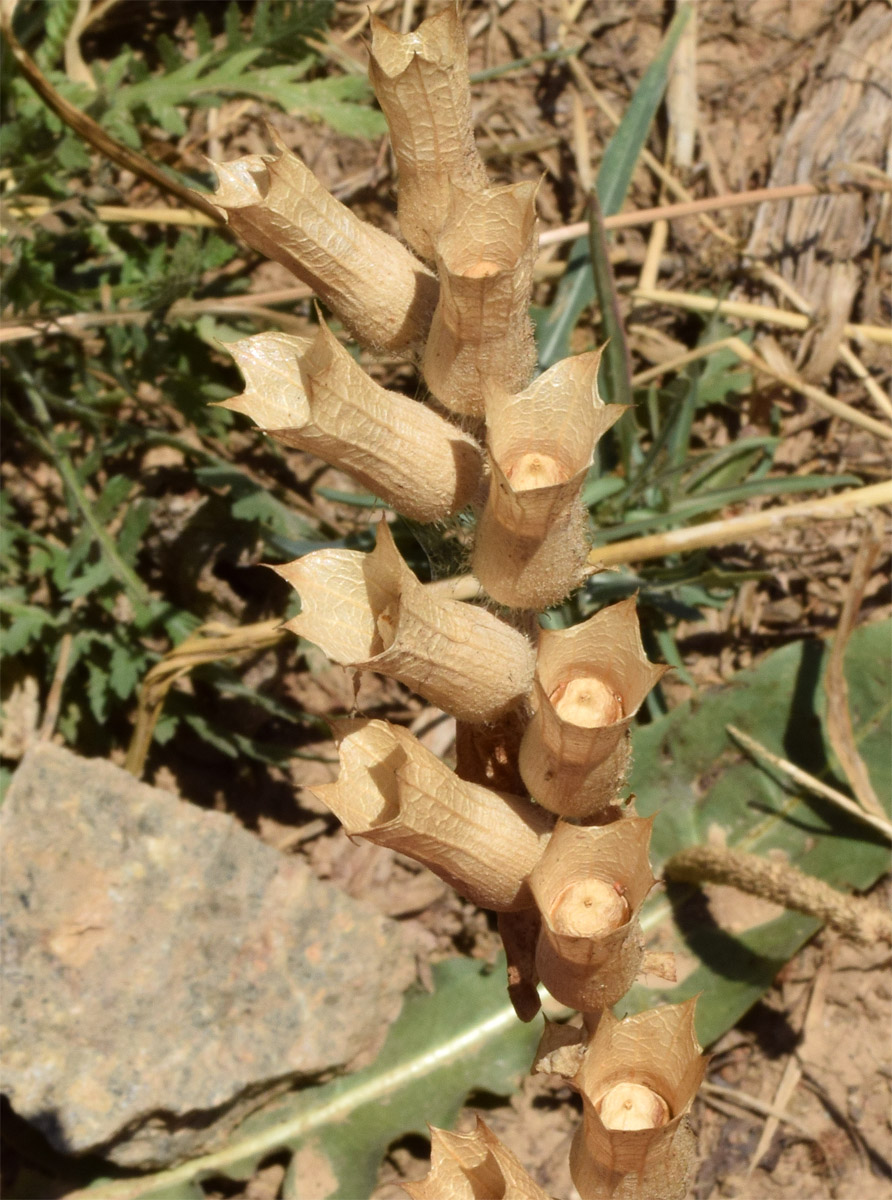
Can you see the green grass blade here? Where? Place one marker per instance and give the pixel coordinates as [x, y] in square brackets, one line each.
[713, 501]
[577, 289]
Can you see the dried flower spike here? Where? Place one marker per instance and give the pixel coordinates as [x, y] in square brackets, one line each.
[473, 1166]
[393, 791]
[638, 1080]
[589, 886]
[369, 611]
[310, 393]
[381, 292]
[531, 544]
[590, 681]
[481, 332]
[422, 84]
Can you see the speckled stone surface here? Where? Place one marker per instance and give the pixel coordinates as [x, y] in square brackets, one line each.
[166, 972]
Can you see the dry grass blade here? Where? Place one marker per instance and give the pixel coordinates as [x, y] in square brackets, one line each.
[691, 208]
[124, 214]
[209, 643]
[754, 312]
[844, 351]
[808, 781]
[836, 408]
[733, 1096]
[737, 529]
[793, 1071]
[839, 720]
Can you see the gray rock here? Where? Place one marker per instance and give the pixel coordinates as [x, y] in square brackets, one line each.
[166, 972]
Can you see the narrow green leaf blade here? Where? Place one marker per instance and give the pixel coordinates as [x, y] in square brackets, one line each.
[577, 290]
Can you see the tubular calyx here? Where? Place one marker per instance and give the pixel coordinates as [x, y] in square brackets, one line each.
[590, 682]
[381, 292]
[369, 611]
[393, 791]
[309, 393]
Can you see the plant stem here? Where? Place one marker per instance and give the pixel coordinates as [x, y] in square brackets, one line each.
[691, 208]
[736, 529]
[781, 883]
[93, 133]
[753, 312]
[810, 782]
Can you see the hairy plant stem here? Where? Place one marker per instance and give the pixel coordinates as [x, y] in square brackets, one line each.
[857, 919]
[96, 136]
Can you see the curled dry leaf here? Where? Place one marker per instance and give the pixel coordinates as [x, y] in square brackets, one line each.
[393, 791]
[369, 611]
[422, 84]
[561, 1050]
[519, 932]
[531, 545]
[473, 1166]
[381, 292]
[589, 886]
[638, 1080]
[590, 682]
[481, 332]
[310, 393]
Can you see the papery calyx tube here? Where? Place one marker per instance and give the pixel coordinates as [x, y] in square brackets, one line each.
[393, 791]
[589, 886]
[422, 84]
[310, 393]
[383, 294]
[369, 611]
[481, 331]
[638, 1079]
[590, 682]
[532, 544]
[473, 1166]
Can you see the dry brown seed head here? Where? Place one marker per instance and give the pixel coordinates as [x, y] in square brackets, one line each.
[311, 394]
[535, 470]
[589, 908]
[588, 702]
[629, 1106]
[590, 681]
[532, 536]
[422, 84]
[369, 611]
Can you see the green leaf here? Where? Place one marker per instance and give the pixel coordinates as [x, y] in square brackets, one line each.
[251, 502]
[221, 741]
[28, 623]
[97, 691]
[711, 501]
[113, 496]
[357, 499]
[93, 577]
[136, 521]
[463, 1037]
[576, 290]
[58, 20]
[702, 786]
[125, 670]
